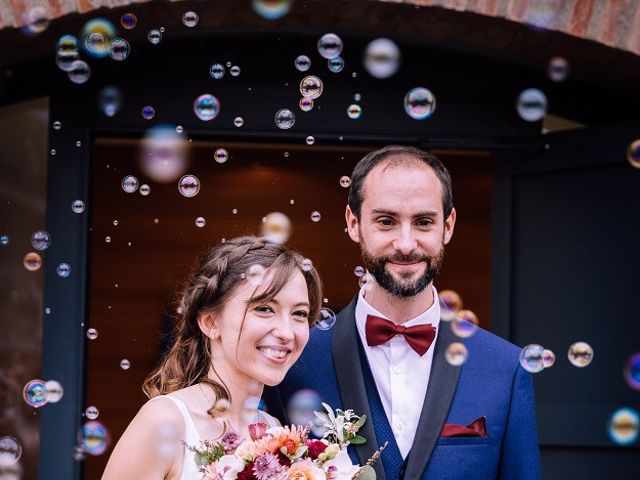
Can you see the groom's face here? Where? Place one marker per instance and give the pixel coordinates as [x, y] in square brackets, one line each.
[402, 231]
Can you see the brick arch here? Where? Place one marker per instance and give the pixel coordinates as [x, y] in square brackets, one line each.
[615, 23]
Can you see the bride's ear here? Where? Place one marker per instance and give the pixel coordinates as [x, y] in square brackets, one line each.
[208, 324]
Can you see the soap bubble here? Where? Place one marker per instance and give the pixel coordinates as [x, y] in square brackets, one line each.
[301, 406]
[345, 181]
[255, 274]
[54, 390]
[110, 100]
[206, 107]
[130, 184]
[276, 228]
[465, 324]
[382, 58]
[79, 72]
[632, 371]
[234, 71]
[306, 264]
[359, 271]
[154, 36]
[92, 412]
[221, 155]
[189, 186]
[285, 119]
[271, 9]
[32, 261]
[310, 140]
[315, 216]
[10, 451]
[336, 65]
[148, 112]
[92, 333]
[63, 270]
[164, 154]
[77, 206]
[78, 453]
[624, 426]
[548, 358]
[306, 104]
[35, 393]
[190, 19]
[217, 71]
[238, 121]
[35, 20]
[327, 319]
[419, 103]
[97, 44]
[95, 438]
[128, 21]
[532, 105]
[633, 154]
[330, 46]
[367, 282]
[119, 49]
[302, 63]
[200, 222]
[311, 86]
[125, 364]
[450, 304]
[64, 61]
[41, 240]
[558, 69]
[532, 358]
[456, 354]
[250, 409]
[4, 239]
[580, 354]
[354, 111]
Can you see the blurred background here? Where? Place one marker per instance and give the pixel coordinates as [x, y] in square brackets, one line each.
[134, 135]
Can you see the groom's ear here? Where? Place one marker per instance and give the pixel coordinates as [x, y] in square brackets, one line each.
[208, 325]
[352, 225]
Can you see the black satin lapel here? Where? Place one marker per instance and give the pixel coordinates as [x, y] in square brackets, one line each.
[441, 390]
[348, 368]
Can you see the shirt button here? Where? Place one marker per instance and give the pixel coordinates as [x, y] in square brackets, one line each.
[397, 368]
[399, 426]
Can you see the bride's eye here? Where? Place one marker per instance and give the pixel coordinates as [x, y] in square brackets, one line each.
[301, 314]
[264, 309]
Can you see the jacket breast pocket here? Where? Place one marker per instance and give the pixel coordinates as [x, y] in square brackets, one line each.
[464, 441]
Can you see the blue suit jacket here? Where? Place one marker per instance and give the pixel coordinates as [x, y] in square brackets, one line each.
[491, 384]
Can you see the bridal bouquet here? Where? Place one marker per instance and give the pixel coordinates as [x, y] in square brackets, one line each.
[287, 453]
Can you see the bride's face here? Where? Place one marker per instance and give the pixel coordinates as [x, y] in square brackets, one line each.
[265, 343]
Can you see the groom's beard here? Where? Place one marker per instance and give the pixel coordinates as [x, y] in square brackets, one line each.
[377, 266]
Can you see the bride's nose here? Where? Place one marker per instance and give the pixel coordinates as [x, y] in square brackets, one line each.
[283, 329]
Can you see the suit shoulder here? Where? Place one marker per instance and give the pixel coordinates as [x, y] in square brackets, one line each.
[487, 343]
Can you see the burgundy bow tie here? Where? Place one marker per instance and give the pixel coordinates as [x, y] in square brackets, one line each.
[380, 330]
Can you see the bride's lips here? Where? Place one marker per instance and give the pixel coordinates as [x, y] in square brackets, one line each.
[275, 353]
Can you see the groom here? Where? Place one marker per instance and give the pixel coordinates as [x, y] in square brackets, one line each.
[386, 355]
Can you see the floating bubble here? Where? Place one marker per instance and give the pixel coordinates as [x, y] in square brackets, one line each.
[4, 239]
[271, 9]
[221, 407]
[285, 119]
[10, 451]
[128, 21]
[130, 184]
[238, 121]
[206, 107]
[306, 104]
[532, 358]
[558, 69]
[234, 71]
[315, 216]
[67, 44]
[354, 111]
[32, 261]
[92, 412]
[148, 112]
[77, 206]
[125, 364]
[336, 65]
[310, 140]
[53, 151]
[419, 103]
[327, 319]
[221, 155]
[179, 129]
[302, 63]
[35, 20]
[234, 211]
[94, 438]
[359, 271]
[306, 264]
[47, 310]
[115, 223]
[276, 227]
[166, 441]
[41, 240]
[382, 58]
[35, 393]
[624, 426]
[548, 358]
[580, 354]
[78, 143]
[301, 406]
[190, 19]
[345, 181]
[119, 49]
[154, 36]
[329, 45]
[456, 354]
[633, 154]
[255, 274]
[78, 453]
[250, 409]
[189, 186]
[450, 304]
[357, 97]
[164, 154]
[63, 270]
[632, 371]
[96, 44]
[92, 333]
[216, 71]
[54, 390]
[465, 324]
[200, 222]
[366, 282]
[64, 61]
[311, 87]
[110, 100]
[79, 71]
[532, 105]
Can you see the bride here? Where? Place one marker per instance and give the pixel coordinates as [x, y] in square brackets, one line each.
[244, 319]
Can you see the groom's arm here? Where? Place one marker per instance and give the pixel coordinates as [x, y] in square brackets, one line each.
[520, 458]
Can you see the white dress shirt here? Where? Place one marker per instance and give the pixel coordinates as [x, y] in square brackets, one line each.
[400, 373]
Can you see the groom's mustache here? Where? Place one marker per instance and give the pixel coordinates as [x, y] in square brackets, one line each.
[406, 259]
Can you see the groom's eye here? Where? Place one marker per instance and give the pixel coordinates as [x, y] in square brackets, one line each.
[385, 222]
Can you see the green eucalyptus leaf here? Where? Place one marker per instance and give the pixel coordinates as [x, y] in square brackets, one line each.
[357, 440]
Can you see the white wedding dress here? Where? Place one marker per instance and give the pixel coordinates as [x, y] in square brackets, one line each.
[192, 438]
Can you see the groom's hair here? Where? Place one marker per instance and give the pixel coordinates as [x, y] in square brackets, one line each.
[398, 155]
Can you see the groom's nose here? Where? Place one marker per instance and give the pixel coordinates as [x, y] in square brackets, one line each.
[405, 242]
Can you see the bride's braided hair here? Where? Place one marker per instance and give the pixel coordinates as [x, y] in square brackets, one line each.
[219, 270]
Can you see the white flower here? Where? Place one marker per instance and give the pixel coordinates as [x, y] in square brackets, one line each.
[229, 466]
[346, 470]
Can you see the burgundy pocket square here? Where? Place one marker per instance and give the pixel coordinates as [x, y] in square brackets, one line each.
[477, 428]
